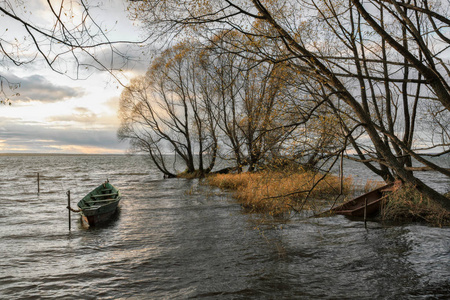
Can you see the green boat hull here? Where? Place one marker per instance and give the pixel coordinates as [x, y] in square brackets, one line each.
[99, 205]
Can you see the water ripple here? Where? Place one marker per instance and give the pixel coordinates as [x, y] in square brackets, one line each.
[175, 239]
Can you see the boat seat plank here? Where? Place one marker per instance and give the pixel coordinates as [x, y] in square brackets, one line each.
[105, 200]
[103, 195]
[93, 207]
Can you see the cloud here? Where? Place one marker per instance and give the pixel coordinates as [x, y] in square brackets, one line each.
[123, 59]
[38, 137]
[39, 88]
[81, 115]
[113, 104]
[82, 110]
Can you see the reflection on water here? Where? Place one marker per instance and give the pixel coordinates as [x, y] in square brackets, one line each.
[180, 239]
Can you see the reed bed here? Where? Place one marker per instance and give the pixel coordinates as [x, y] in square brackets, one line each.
[407, 204]
[277, 192]
[371, 185]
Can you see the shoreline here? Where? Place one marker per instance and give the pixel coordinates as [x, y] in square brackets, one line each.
[275, 193]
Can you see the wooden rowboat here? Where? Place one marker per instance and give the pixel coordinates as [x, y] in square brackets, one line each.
[368, 205]
[99, 205]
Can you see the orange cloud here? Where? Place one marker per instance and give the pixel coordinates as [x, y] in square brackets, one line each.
[77, 149]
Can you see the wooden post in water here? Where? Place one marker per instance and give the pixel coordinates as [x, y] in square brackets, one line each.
[365, 212]
[341, 174]
[38, 182]
[68, 207]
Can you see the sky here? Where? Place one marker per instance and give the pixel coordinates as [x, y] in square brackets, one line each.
[54, 113]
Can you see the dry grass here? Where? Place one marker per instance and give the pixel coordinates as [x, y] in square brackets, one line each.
[407, 204]
[193, 175]
[277, 192]
[373, 185]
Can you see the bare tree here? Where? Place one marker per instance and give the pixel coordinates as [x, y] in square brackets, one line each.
[64, 35]
[250, 100]
[168, 111]
[376, 63]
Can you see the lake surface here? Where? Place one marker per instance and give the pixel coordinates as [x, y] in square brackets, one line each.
[178, 239]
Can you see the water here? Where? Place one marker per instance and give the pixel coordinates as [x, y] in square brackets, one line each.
[178, 239]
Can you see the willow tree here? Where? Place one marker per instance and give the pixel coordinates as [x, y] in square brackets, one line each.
[251, 117]
[250, 101]
[167, 112]
[378, 64]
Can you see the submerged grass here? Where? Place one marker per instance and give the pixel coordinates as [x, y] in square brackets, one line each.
[407, 204]
[277, 192]
[191, 175]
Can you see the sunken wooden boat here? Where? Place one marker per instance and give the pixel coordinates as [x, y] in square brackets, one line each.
[367, 205]
[99, 205]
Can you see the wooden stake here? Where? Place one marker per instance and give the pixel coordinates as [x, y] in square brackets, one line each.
[341, 173]
[365, 212]
[68, 207]
[38, 182]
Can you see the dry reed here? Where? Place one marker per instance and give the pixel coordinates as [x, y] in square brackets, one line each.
[407, 204]
[278, 192]
[371, 185]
